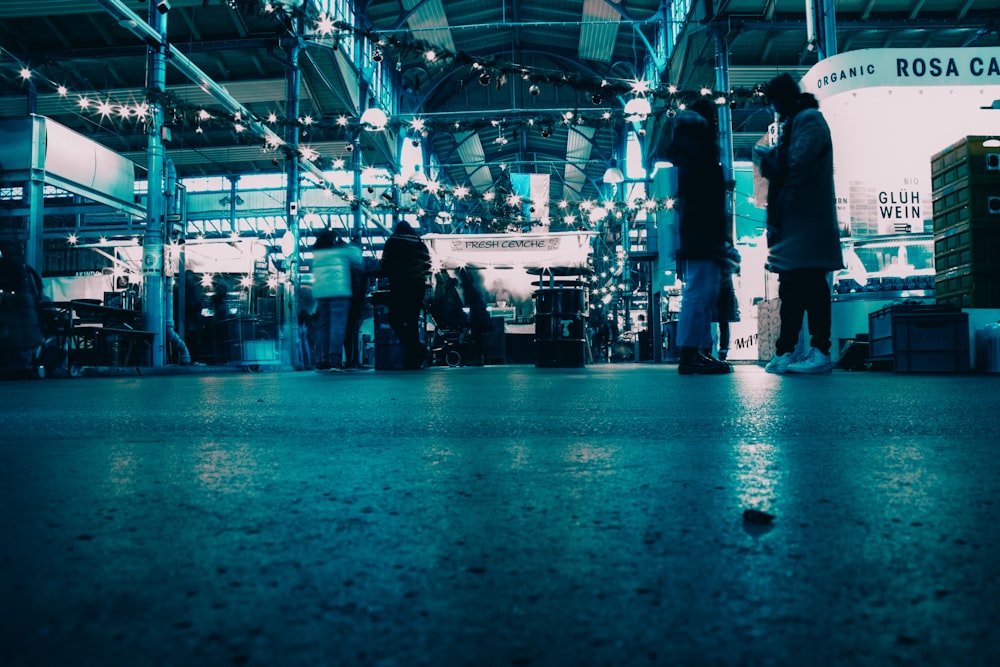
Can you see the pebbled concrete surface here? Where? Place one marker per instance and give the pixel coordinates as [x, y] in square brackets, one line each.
[500, 516]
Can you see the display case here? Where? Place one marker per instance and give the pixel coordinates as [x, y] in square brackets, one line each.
[892, 267]
[880, 271]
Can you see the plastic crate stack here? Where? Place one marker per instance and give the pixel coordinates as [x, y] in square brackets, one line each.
[965, 181]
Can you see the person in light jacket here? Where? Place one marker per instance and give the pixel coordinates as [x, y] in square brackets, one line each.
[802, 231]
[332, 264]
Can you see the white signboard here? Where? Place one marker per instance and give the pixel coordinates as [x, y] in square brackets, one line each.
[869, 68]
[890, 111]
[554, 250]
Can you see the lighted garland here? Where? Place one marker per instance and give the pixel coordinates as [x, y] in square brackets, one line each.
[491, 70]
[181, 112]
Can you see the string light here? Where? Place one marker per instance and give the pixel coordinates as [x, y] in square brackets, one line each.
[180, 110]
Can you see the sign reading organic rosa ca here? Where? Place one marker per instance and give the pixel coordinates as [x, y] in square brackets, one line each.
[868, 68]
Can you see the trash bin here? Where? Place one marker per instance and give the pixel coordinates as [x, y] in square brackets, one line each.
[560, 327]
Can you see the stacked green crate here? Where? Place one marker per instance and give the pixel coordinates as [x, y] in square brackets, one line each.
[965, 180]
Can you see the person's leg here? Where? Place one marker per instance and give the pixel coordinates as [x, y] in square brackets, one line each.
[352, 334]
[694, 330]
[723, 339]
[790, 291]
[816, 294]
[414, 352]
[338, 327]
[701, 288]
[322, 333]
[396, 317]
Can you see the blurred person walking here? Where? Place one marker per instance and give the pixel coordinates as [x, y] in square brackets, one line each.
[407, 263]
[802, 232]
[359, 289]
[701, 206]
[333, 260]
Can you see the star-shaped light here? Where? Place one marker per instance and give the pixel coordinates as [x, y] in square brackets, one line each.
[639, 87]
[324, 25]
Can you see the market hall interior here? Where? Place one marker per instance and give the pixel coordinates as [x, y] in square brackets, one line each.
[501, 515]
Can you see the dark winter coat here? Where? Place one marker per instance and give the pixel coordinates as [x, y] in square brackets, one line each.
[701, 189]
[801, 204]
[405, 258]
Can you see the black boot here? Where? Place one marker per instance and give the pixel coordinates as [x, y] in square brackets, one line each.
[693, 362]
[719, 362]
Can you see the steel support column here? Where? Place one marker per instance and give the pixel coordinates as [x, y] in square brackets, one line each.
[293, 47]
[725, 119]
[153, 305]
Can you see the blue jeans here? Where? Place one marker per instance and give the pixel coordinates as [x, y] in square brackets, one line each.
[701, 290]
[331, 323]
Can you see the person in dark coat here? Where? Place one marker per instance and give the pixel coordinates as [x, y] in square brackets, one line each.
[406, 262]
[802, 231]
[480, 322]
[447, 306]
[703, 227]
[20, 296]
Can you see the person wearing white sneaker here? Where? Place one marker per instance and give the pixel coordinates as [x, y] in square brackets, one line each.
[803, 235]
[813, 362]
[779, 363]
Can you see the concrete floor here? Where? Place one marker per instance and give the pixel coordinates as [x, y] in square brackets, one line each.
[504, 515]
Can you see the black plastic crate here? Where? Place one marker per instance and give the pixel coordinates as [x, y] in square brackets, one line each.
[920, 338]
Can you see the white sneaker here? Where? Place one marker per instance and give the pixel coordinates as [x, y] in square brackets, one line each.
[779, 364]
[814, 362]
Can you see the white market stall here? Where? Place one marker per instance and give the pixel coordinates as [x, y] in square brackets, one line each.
[890, 111]
[524, 270]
